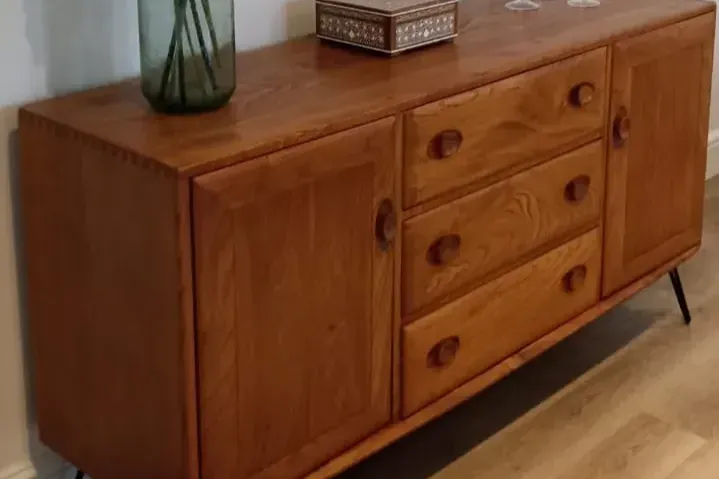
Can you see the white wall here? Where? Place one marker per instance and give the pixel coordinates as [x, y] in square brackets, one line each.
[713, 160]
[48, 47]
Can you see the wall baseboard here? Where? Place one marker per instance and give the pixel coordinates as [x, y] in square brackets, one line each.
[713, 154]
[23, 470]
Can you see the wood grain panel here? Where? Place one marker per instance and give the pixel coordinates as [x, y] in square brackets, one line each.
[469, 389]
[294, 305]
[655, 180]
[501, 224]
[302, 90]
[295, 344]
[109, 306]
[397, 294]
[522, 120]
[498, 319]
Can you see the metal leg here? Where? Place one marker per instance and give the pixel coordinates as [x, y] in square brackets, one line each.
[679, 292]
[80, 474]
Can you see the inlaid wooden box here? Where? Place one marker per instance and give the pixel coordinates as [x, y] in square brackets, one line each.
[388, 26]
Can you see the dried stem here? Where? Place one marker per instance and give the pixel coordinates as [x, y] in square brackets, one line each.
[193, 53]
[181, 72]
[168, 65]
[203, 47]
[211, 28]
[175, 58]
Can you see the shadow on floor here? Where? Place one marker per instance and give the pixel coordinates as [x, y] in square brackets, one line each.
[442, 441]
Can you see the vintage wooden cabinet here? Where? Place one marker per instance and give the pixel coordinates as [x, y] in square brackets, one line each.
[356, 244]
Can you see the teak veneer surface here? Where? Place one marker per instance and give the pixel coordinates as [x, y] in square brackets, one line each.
[497, 227]
[109, 298]
[294, 305]
[302, 90]
[128, 303]
[461, 394]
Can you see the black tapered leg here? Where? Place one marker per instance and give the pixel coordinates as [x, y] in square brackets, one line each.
[679, 292]
[79, 474]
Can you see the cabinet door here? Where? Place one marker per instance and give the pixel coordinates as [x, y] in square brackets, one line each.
[294, 270]
[657, 148]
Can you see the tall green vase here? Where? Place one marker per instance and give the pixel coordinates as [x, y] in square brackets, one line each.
[187, 50]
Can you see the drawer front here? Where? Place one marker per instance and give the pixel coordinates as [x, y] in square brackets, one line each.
[504, 126]
[461, 242]
[457, 342]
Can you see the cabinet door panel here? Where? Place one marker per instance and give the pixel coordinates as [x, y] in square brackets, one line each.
[657, 159]
[294, 305]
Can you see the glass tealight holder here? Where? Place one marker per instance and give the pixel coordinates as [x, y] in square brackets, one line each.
[583, 3]
[520, 5]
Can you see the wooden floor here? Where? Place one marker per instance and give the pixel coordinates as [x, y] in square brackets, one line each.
[633, 395]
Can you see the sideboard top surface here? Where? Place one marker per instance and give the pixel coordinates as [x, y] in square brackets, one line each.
[301, 90]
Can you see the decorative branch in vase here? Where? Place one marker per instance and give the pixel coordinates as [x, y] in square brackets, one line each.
[188, 54]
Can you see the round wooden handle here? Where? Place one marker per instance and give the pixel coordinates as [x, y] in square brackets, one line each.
[575, 278]
[386, 224]
[445, 144]
[444, 250]
[444, 353]
[582, 94]
[622, 127]
[577, 189]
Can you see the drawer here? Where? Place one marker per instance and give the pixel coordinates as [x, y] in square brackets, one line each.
[457, 342]
[461, 242]
[504, 126]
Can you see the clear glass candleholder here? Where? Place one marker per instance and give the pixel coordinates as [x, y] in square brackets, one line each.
[583, 3]
[522, 5]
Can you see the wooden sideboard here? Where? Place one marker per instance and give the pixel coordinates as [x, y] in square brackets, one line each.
[356, 244]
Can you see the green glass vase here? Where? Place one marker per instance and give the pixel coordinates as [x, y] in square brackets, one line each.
[187, 50]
